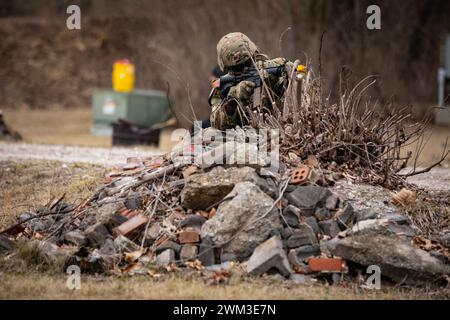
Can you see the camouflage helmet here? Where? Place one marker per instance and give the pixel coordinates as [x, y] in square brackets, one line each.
[234, 49]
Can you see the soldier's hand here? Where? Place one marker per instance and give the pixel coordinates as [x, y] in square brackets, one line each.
[243, 91]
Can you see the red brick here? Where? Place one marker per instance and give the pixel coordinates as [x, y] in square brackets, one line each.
[327, 265]
[128, 227]
[301, 175]
[190, 236]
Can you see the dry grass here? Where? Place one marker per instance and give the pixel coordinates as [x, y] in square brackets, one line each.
[44, 286]
[30, 184]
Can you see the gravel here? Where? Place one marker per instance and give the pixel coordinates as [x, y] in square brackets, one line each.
[69, 154]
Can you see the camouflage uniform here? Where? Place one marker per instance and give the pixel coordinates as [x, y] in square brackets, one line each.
[233, 50]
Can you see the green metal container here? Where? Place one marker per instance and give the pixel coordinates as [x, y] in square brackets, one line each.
[141, 107]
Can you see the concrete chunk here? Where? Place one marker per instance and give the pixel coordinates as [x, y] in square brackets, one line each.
[188, 252]
[302, 236]
[269, 255]
[165, 257]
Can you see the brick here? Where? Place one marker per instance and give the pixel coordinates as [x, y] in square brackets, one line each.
[130, 226]
[114, 221]
[300, 175]
[189, 236]
[327, 265]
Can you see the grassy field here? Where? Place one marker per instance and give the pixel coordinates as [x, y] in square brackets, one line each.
[68, 127]
[38, 286]
[30, 184]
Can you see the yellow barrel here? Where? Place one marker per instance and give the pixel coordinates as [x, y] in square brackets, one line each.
[123, 76]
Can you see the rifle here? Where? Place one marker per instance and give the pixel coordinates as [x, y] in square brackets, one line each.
[250, 74]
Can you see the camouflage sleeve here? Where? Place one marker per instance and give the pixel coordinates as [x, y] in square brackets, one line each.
[219, 117]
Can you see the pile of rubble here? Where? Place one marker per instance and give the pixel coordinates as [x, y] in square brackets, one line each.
[166, 212]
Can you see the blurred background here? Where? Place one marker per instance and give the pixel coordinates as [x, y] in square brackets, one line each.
[46, 67]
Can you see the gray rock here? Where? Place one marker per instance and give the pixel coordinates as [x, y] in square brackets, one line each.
[108, 248]
[381, 226]
[323, 214]
[295, 261]
[312, 222]
[203, 190]
[329, 228]
[152, 234]
[123, 244]
[345, 217]
[76, 237]
[397, 258]
[306, 252]
[269, 255]
[291, 216]
[97, 234]
[367, 214]
[302, 236]
[134, 201]
[401, 230]
[6, 245]
[445, 239]
[188, 252]
[40, 224]
[193, 221]
[397, 217]
[332, 202]
[166, 257]
[169, 244]
[308, 198]
[104, 212]
[286, 232]
[206, 252]
[243, 222]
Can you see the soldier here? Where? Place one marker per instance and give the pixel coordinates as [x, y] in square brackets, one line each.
[235, 53]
